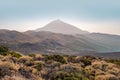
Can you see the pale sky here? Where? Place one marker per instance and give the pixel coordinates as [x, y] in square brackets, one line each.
[91, 15]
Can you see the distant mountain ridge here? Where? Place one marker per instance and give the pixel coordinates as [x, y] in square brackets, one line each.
[59, 26]
[64, 43]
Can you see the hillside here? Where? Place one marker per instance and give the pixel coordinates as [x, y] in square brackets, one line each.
[16, 66]
[11, 36]
[47, 42]
[112, 42]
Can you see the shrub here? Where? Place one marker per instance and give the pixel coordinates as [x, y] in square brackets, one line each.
[10, 59]
[85, 61]
[72, 59]
[3, 50]
[27, 73]
[29, 63]
[38, 57]
[7, 68]
[15, 54]
[58, 58]
[39, 65]
[71, 68]
[13, 78]
[56, 64]
[61, 75]
[32, 55]
[24, 59]
[106, 77]
[114, 61]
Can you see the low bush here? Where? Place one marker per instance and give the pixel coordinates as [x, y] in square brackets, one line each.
[58, 58]
[7, 68]
[15, 54]
[3, 50]
[115, 61]
[39, 66]
[24, 59]
[106, 77]
[29, 63]
[86, 62]
[61, 75]
[32, 55]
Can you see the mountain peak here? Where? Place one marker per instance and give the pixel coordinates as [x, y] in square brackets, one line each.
[58, 26]
[57, 20]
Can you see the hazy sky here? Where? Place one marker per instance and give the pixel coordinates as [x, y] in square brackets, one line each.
[91, 15]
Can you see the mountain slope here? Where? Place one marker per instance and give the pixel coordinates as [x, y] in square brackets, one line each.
[46, 42]
[69, 44]
[11, 36]
[59, 26]
[112, 42]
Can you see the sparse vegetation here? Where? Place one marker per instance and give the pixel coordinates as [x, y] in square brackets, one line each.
[5, 51]
[15, 66]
